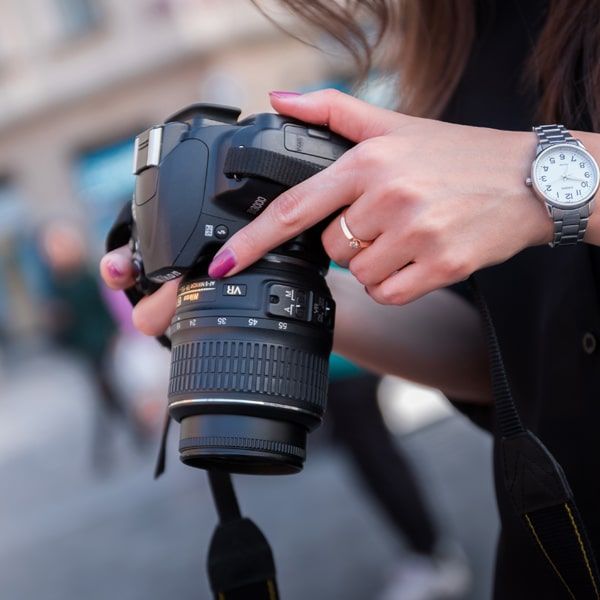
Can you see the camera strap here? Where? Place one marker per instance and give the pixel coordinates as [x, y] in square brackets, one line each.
[536, 483]
[240, 560]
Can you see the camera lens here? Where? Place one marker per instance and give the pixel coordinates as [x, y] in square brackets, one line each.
[249, 365]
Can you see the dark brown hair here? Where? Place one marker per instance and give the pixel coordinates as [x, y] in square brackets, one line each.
[437, 35]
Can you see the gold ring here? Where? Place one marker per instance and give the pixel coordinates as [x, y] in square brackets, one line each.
[354, 242]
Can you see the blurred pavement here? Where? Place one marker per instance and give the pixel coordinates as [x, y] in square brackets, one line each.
[66, 534]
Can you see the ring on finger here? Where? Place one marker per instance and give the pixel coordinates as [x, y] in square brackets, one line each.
[354, 242]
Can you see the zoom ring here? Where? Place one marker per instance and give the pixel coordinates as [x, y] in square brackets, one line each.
[249, 367]
[240, 443]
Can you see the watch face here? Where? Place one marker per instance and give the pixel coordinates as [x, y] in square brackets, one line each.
[566, 175]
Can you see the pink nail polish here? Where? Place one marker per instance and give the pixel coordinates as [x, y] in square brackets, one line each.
[114, 271]
[221, 264]
[284, 95]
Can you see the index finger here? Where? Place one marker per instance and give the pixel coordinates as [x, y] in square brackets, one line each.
[291, 213]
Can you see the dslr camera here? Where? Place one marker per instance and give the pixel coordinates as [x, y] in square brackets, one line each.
[250, 353]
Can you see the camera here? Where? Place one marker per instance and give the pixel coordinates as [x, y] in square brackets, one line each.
[250, 353]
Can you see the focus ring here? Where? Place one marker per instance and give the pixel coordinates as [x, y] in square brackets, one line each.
[241, 443]
[249, 367]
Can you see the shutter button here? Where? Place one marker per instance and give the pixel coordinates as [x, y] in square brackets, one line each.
[589, 342]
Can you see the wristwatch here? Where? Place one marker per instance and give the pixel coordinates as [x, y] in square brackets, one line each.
[565, 176]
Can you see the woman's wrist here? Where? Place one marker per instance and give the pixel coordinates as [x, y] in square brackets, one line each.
[532, 215]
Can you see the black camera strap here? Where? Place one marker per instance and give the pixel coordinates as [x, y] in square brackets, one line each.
[240, 561]
[537, 484]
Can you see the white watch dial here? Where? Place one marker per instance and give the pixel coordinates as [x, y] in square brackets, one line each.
[565, 174]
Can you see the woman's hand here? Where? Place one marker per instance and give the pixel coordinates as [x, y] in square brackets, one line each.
[438, 201]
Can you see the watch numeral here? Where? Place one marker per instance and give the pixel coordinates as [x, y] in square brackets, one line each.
[552, 160]
[578, 192]
[561, 156]
[584, 184]
[549, 188]
[545, 168]
[573, 158]
[586, 174]
[569, 196]
[582, 165]
[543, 178]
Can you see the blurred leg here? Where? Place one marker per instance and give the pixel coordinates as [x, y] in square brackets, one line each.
[115, 406]
[359, 425]
[110, 398]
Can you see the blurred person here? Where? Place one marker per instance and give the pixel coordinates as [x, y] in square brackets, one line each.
[432, 566]
[79, 321]
[4, 335]
[436, 193]
[140, 365]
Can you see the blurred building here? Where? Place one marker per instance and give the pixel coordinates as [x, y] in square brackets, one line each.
[79, 78]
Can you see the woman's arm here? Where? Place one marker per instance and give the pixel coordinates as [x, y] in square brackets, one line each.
[436, 340]
[439, 201]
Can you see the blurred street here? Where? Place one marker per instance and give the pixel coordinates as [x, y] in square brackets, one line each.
[68, 534]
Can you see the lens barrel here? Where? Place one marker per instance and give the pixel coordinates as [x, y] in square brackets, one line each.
[249, 366]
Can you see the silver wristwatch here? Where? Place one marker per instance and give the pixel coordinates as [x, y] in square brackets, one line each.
[565, 176]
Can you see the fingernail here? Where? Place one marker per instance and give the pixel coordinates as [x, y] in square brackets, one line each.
[284, 95]
[114, 271]
[221, 264]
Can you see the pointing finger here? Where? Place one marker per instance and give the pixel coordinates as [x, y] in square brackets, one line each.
[294, 211]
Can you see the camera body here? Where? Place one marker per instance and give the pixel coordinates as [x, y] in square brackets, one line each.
[249, 368]
[189, 199]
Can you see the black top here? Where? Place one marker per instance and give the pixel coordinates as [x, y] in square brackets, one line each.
[544, 303]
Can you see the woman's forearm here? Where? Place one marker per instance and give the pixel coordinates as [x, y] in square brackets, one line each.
[436, 340]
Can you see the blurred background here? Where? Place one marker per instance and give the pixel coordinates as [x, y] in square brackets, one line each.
[82, 395]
